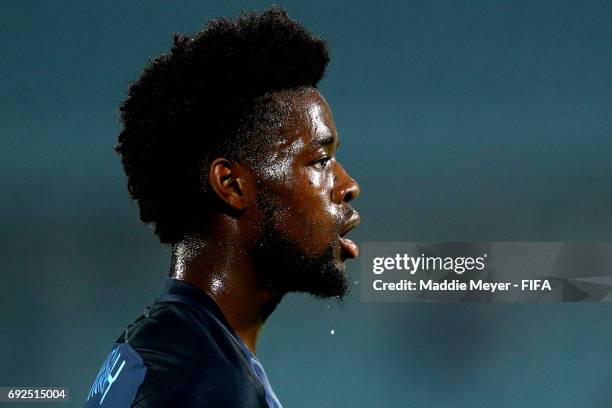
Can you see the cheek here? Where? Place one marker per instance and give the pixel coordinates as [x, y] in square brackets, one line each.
[314, 189]
[317, 216]
[279, 166]
[304, 209]
[322, 184]
[321, 180]
[277, 170]
[316, 180]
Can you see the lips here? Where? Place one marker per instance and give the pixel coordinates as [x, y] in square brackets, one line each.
[348, 247]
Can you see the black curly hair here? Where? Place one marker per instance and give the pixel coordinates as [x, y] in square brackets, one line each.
[210, 95]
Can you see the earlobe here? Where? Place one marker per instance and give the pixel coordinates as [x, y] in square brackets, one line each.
[226, 183]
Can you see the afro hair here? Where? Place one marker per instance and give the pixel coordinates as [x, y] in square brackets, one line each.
[193, 103]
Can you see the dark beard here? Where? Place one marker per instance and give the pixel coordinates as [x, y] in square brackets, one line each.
[284, 267]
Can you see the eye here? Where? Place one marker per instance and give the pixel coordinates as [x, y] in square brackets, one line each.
[322, 162]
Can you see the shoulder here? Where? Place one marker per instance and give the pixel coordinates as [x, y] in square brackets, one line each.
[175, 355]
[178, 337]
[191, 361]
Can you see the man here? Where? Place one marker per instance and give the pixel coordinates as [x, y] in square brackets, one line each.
[229, 150]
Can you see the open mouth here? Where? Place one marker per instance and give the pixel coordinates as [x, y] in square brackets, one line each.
[348, 247]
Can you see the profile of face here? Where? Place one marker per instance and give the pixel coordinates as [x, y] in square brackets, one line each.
[302, 202]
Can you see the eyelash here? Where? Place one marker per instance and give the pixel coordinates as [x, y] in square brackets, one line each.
[322, 163]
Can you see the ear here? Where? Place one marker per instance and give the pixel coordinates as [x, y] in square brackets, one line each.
[224, 178]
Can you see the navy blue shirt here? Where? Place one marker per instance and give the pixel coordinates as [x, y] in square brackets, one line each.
[181, 353]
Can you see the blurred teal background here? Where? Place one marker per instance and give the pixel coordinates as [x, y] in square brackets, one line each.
[462, 121]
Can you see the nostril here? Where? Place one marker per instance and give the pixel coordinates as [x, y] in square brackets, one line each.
[349, 196]
[352, 192]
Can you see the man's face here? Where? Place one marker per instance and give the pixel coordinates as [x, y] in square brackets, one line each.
[303, 202]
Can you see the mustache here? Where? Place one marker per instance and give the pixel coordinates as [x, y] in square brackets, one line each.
[350, 218]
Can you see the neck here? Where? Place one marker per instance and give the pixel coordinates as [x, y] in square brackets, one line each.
[221, 267]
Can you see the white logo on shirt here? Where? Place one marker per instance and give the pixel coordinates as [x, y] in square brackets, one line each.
[106, 378]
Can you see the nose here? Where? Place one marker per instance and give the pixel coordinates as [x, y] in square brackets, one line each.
[346, 189]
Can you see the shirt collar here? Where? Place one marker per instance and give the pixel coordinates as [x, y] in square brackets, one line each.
[187, 293]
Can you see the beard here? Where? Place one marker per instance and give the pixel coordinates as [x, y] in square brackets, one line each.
[284, 265]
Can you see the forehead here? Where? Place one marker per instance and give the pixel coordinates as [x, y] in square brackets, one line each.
[308, 121]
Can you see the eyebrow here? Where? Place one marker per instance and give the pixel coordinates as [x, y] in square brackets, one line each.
[325, 141]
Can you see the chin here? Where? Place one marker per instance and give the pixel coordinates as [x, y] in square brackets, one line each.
[330, 281]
